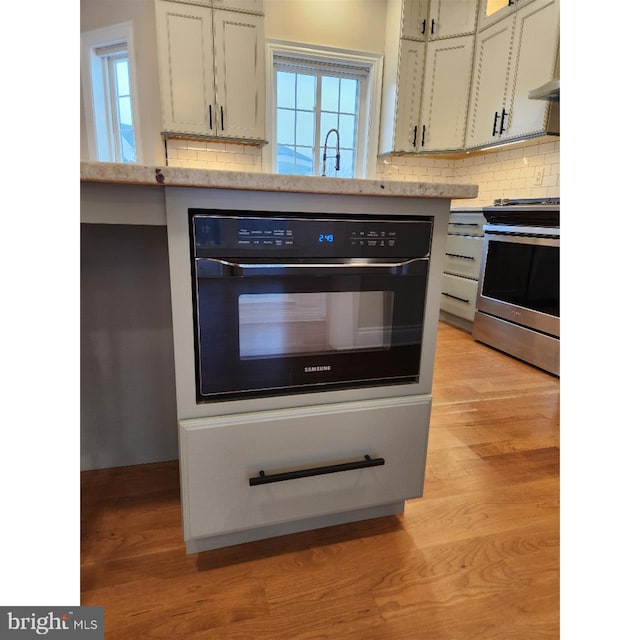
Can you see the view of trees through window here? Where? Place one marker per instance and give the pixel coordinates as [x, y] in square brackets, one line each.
[308, 105]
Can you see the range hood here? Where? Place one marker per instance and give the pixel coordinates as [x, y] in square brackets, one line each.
[548, 91]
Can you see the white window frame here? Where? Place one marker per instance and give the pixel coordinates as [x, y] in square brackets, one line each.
[369, 116]
[96, 108]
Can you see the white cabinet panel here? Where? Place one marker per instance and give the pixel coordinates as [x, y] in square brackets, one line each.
[186, 72]
[449, 18]
[459, 296]
[240, 91]
[445, 98]
[466, 224]
[220, 455]
[536, 38]
[414, 19]
[462, 256]
[252, 6]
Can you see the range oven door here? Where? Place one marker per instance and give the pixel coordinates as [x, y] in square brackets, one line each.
[285, 327]
[520, 280]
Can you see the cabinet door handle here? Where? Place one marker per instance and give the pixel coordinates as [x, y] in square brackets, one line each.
[222, 118]
[424, 26]
[263, 478]
[423, 130]
[459, 255]
[495, 123]
[433, 25]
[449, 295]
[415, 135]
[210, 117]
[502, 127]
[464, 224]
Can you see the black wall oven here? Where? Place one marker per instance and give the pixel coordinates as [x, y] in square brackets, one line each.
[289, 303]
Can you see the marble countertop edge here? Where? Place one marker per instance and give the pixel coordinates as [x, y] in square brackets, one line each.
[137, 174]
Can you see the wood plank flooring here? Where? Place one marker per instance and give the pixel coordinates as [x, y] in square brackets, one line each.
[476, 558]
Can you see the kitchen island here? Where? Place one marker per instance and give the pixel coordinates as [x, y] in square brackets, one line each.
[139, 374]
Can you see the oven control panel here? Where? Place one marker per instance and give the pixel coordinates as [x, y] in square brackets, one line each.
[270, 235]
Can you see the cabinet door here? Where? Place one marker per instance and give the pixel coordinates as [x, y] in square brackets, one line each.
[490, 76]
[449, 18]
[445, 98]
[411, 68]
[535, 51]
[252, 6]
[185, 59]
[240, 75]
[414, 19]
[491, 11]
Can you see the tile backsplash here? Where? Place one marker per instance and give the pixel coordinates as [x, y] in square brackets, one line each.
[528, 171]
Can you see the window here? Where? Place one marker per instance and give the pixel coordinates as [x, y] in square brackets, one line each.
[323, 97]
[108, 90]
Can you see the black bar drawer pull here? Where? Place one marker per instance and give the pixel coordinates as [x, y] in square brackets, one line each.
[449, 295]
[459, 255]
[464, 224]
[263, 478]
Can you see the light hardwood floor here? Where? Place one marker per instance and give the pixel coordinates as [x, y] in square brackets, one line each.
[477, 557]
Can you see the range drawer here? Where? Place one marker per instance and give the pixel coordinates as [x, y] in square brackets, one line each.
[462, 256]
[466, 224]
[459, 296]
[220, 456]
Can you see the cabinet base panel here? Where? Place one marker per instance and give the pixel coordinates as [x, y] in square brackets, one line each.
[456, 321]
[272, 531]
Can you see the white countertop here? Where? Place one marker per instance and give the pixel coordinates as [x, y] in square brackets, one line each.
[136, 174]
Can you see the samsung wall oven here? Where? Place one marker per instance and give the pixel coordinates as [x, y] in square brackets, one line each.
[304, 337]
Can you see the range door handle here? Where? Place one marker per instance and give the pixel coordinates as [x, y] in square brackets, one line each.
[264, 478]
[219, 268]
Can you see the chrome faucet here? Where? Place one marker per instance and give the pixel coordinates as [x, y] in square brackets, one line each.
[324, 155]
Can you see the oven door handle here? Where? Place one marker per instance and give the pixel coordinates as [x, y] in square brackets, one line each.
[219, 268]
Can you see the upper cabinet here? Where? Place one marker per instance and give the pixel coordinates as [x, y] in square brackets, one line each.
[212, 74]
[414, 19]
[512, 57]
[445, 97]
[449, 18]
[491, 11]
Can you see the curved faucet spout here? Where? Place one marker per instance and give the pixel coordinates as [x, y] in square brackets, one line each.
[324, 155]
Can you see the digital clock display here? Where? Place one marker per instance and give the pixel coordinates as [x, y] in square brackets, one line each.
[326, 237]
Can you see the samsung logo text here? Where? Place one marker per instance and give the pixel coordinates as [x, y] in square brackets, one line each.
[323, 367]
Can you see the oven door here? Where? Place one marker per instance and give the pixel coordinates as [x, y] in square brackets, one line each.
[271, 329]
[520, 280]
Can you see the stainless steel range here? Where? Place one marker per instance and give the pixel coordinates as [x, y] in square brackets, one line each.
[518, 303]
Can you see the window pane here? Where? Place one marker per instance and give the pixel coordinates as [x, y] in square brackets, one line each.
[124, 111]
[304, 161]
[306, 92]
[346, 164]
[328, 121]
[285, 126]
[305, 128]
[330, 91]
[286, 89]
[122, 77]
[347, 130]
[348, 95]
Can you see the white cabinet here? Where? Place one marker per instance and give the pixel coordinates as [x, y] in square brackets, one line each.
[251, 6]
[445, 98]
[414, 19]
[211, 71]
[463, 254]
[221, 459]
[491, 11]
[402, 93]
[512, 57]
[448, 18]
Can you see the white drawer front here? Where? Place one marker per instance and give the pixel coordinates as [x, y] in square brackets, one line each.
[459, 296]
[462, 256]
[466, 224]
[220, 455]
